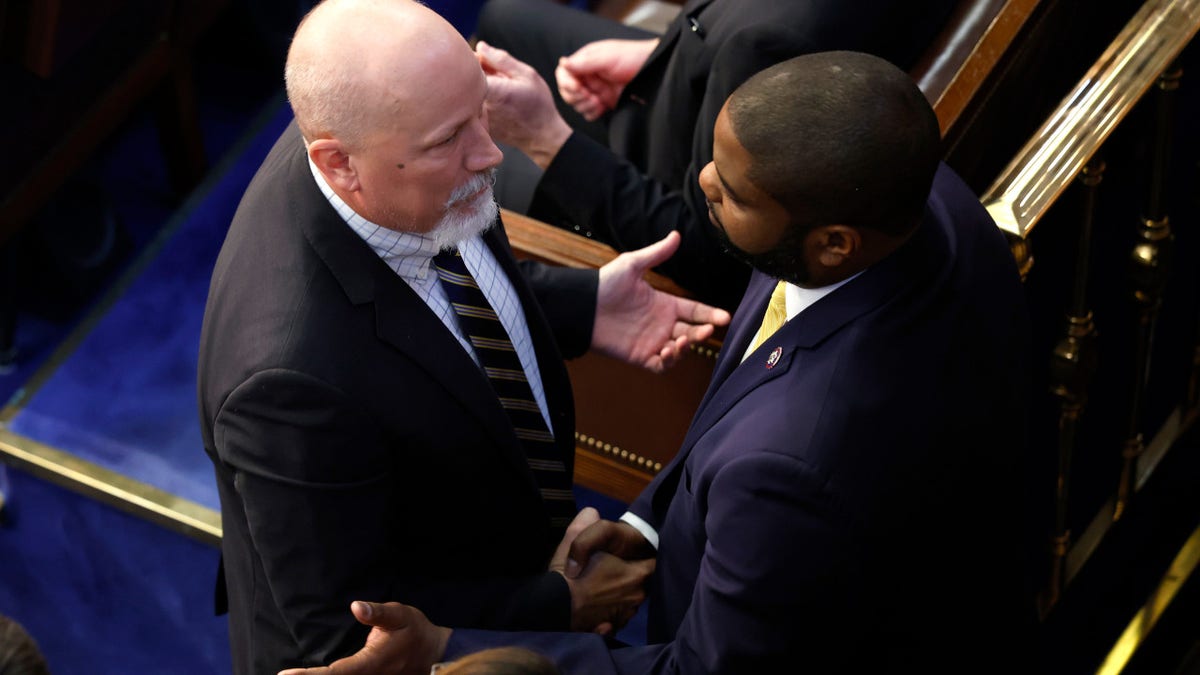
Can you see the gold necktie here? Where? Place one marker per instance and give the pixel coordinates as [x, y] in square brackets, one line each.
[775, 316]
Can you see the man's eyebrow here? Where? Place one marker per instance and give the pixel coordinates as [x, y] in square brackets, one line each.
[448, 129]
[730, 190]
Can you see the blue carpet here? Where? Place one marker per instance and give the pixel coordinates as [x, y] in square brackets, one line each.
[100, 590]
[125, 399]
[105, 592]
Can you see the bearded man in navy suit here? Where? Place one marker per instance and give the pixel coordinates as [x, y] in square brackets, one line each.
[846, 497]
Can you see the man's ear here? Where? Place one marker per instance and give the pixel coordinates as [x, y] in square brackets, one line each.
[836, 244]
[334, 163]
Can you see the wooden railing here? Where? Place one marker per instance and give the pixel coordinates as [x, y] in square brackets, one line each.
[630, 423]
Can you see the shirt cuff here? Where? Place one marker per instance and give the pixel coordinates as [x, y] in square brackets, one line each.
[642, 526]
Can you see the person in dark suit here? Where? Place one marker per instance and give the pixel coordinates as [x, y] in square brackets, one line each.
[358, 422]
[631, 176]
[845, 498]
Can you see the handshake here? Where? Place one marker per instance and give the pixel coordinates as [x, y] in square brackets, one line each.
[605, 564]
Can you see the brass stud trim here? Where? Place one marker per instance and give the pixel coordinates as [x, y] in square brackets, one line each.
[616, 452]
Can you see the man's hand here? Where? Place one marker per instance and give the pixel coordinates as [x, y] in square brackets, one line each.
[620, 539]
[607, 593]
[401, 642]
[641, 325]
[520, 109]
[591, 80]
[584, 519]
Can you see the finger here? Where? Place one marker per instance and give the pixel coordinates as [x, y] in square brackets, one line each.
[692, 332]
[598, 537]
[591, 111]
[569, 88]
[581, 63]
[626, 616]
[700, 313]
[322, 670]
[673, 351]
[579, 523]
[644, 567]
[488, 68]
[655, 254]
[603, 628]
[500, 60]
[388, 616]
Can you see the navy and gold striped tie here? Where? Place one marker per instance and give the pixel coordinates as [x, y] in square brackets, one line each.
[478, 321]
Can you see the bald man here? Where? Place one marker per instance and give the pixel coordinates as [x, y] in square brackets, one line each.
[374, 431]
[845, 500]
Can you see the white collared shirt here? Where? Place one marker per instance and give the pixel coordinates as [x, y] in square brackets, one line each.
[410, 255]
[797, 299]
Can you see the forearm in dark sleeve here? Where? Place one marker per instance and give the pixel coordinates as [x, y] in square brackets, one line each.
[603, 193]
[567, 297]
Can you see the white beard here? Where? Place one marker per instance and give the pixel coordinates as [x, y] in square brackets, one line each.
[463, 221]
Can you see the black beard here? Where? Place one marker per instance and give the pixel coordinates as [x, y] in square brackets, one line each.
[784, 261]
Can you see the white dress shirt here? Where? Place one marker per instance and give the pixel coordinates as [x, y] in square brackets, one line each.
[410, 255]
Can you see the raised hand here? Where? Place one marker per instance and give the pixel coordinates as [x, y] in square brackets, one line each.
[592, 79]
[641, 325]
[520, 108]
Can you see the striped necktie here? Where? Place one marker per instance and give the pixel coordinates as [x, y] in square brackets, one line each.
[478, 321]
[774, 317]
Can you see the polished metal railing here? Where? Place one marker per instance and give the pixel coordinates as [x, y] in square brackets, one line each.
[1081, 123]
[1139, 66]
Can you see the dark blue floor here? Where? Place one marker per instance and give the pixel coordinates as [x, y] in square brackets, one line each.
[125, 398]
[102, 591]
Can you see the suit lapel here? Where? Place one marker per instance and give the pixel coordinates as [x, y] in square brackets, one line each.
[906, 268]
[748, 317]
[402, 319]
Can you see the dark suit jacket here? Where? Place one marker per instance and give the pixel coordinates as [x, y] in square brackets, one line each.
[661, 129]
[844, 498]
[359, 451]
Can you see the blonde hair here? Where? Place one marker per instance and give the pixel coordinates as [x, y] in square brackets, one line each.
[501, 661]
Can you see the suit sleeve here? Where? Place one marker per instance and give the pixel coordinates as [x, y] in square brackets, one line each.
[778, 583]
[567, 297]
[312, 475]
[593, 187]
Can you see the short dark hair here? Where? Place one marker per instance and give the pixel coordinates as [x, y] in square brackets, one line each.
[839, 138]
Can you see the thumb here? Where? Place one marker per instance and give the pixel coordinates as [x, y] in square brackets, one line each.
[494, 59]
[655, 254]
[582, 520]
[388, 616]
[584, 61]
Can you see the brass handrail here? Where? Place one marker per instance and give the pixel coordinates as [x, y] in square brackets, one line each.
[1073, 133]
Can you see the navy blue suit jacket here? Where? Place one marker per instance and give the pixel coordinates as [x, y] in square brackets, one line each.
[844, 498]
